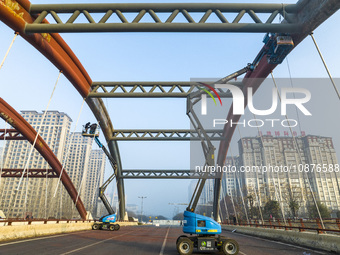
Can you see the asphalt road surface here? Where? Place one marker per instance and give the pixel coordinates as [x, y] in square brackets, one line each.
[141, 240]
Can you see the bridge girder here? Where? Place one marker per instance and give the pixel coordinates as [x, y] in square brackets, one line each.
[163, 135]
[163, 174]
[149, 89]
[161, 17]
[30, 173]
[10, 135]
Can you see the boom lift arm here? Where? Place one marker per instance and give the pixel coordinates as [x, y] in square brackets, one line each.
[276, 48]
[207, 146]
[90, 130]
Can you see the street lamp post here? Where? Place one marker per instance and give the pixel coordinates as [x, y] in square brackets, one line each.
[141, 214]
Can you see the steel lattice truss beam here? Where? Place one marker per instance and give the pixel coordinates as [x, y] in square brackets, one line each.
[163, 174]
[163, 17]
[10, 134]
[32, 173]
[163, 135]
[148, 89]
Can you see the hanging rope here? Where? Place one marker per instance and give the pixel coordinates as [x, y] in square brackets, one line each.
[10, 46]
[300, 157]
[68, 148]
[324, 63]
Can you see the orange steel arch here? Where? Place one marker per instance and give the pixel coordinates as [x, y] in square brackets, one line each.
[21, 125]
[52, 46]
[15, 14]
[252, 79]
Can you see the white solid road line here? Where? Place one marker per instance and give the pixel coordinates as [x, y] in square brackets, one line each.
[87, 246]
[242, 253]
[164, 242]
[291, 245]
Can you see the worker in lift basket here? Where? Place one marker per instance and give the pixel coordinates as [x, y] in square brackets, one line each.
[93, 128]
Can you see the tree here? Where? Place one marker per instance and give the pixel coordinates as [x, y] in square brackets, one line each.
[272, 208]
[294, 207]
[131, 214]
[160, 217]
[324, 211]
[178, 216]
[251, 204]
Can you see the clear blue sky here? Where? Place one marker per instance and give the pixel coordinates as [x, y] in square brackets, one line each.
[27, 79]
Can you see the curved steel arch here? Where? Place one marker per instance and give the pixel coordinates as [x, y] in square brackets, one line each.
[21, 125]
[311, 15]
[15, 14]
[307, 19]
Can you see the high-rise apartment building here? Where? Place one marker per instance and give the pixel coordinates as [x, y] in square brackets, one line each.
[34, 196]
[289, 169]
[95, 178]
[1, 151]
[45, 197]
[76, 163]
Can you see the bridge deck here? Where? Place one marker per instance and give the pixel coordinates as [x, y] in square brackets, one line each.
[138, 241]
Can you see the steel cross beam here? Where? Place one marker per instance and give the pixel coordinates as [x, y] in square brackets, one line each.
[148, 89]
[32, 173]
[162, 17]
[164, 135]
[163, 174]
[10, 134]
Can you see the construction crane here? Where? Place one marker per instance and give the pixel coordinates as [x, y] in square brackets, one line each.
[106, 221]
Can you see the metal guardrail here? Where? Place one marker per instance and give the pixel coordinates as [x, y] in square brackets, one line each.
[277, 224]
[8, 222]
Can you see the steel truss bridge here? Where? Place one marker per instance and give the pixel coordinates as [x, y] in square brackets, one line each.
[30, 22]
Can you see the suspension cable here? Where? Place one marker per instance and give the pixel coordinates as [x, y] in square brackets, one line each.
[10, 46]
[278, 198]
[324, 63]
[68, 148]
[38, 131]
[46, 186]
[81, 182]
[1, 166]
[35, 140]
[225, 204]
[239, 186]
[258, 197]
[3, 152]
[232, 201]
[10, 206]
[300, 157]
[292, 85]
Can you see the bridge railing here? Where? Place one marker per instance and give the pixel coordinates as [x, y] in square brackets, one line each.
[18, 221]
[301, 225]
